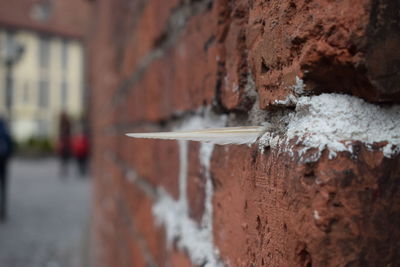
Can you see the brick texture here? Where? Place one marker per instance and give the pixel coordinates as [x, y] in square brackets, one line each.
[155, 63]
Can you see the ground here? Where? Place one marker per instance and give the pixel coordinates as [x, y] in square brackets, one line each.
[48, 220]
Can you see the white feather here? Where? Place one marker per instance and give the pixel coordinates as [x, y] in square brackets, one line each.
[222, 136]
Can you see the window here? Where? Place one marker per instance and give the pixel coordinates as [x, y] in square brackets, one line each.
[44, 52]
[43, 93]
[64, 94]
[25, 93]
[64, 54]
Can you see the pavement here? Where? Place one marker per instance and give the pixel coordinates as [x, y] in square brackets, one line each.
[48, 217]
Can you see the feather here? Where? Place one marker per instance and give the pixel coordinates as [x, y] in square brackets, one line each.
[222, 136]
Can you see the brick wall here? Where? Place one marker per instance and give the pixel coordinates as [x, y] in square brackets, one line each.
[305, 195]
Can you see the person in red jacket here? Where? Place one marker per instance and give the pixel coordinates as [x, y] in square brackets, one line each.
[80, 150]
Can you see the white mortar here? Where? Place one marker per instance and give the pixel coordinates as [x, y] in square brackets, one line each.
[332, 121]
[195, 239]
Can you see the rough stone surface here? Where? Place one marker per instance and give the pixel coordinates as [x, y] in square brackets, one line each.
[154, 64]
[328, 213]
[335, 46]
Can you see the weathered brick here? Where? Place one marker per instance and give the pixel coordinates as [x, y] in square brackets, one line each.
[147, 32]
[140, 155]
[170, 84]
[283, 212]
[195, 183]
[179, 259]
[328, 44]
[233, 55]
[155, 63]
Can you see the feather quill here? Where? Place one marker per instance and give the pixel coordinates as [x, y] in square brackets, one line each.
[221, 136]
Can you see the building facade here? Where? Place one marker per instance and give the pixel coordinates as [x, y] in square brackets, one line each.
[46, 80]
[42, 64]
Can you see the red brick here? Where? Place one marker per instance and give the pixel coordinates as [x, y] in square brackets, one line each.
[270, 209]
[284, 212]
[171, 84]
[179, 259]
[195, 183]
[146, 31]
[326, 43]
[155, 161]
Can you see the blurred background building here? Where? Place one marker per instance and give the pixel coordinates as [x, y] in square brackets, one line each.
[42, 64]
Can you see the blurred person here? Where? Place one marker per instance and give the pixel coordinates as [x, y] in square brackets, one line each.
[80, 149]
[6, 148]
[64, 143]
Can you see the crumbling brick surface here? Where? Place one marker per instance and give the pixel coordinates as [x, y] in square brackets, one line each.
[156, 64]
[335, 46]
[327, 213]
